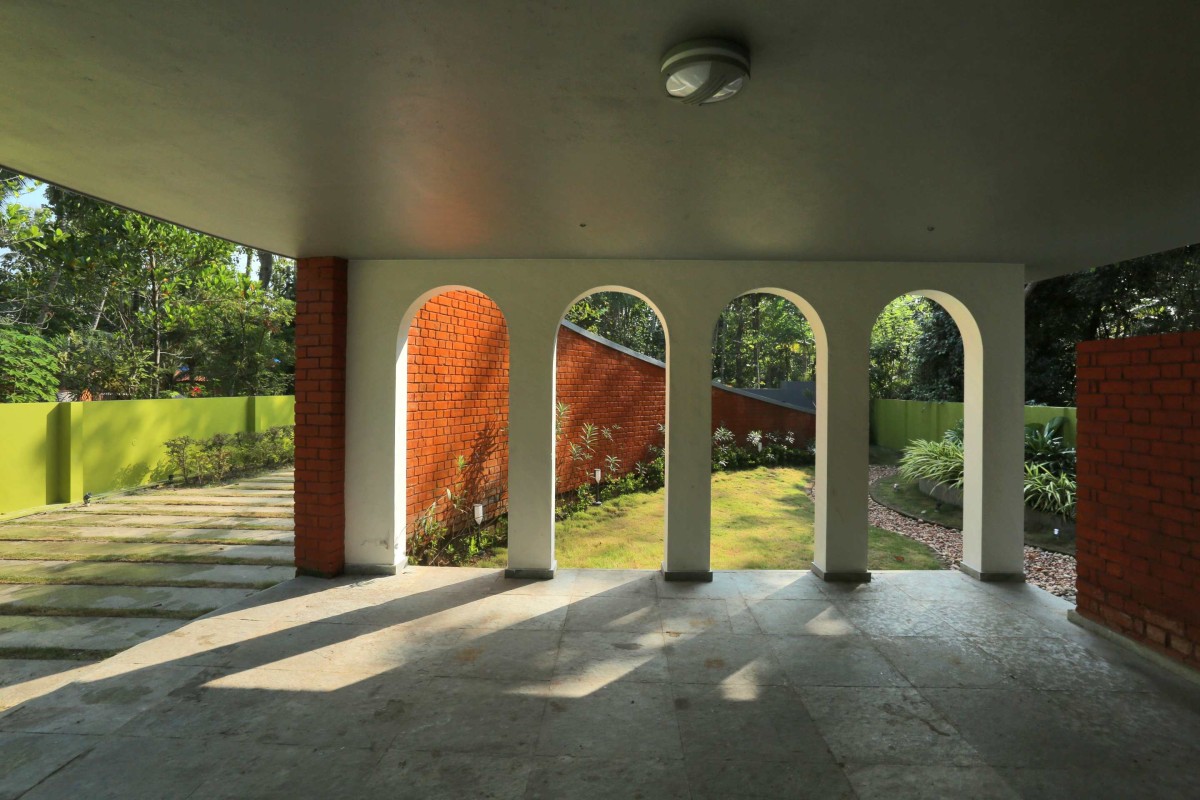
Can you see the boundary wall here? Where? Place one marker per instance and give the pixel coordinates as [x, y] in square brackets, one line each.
[57, 452]
[895, 423]
[1138, 529]
[458, 397]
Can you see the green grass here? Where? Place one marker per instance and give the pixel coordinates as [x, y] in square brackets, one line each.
[55, 654]
[761, 519]
[74, 611]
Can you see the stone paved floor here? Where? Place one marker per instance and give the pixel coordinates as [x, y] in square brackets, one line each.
[456, 683]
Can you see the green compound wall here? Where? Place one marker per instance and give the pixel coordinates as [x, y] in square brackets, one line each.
[895, 423]
[55, 452]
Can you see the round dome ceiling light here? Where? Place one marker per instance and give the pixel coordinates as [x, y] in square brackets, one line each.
[706, 71]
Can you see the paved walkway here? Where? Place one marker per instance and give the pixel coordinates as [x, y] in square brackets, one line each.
[457, 683]
[83, 583]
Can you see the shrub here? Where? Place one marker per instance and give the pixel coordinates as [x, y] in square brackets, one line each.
[223, 455]
[1048, 491]
[940, 462]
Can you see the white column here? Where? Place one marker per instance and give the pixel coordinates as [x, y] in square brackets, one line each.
[843, 444]
[686, 555]
[531, 444]
[994, 453]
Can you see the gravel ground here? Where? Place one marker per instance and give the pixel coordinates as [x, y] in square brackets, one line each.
[1053, 572]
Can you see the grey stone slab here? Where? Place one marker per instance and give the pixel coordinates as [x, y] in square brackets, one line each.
[619, 720]
[457, 715]
[1120, 782]
[725, 658]
[222, 499]
[834, 661]
[16, 671]
[151, 508]
[750, 723]
[944, 662]
[145, 551]
[695, 615]
[29, 758]
[886, 726]
[800, 618]
[778, 585]
[1058, 664]
[891, 618]
[150, 599]
[107, 533]
[723, 586]
[638, 614]
[123, 769]
[596, 658]
[174, 521]
[918, 782]
[439, 776]
[987, 620]
[607, 779]
[297, 772]
[154, 574]
[712, 779]
[612, 582]
[498, 655]
[81, 633]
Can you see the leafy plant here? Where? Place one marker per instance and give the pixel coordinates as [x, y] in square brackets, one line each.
[940, 462]
[28, 368]
[1045, 445]
[223, 455]
[1048, 491]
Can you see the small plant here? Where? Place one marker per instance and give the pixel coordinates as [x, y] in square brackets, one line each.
[221, 456]
[940, 462]
[1050, 492]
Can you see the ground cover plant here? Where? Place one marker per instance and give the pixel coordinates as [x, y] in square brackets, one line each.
[225, 455]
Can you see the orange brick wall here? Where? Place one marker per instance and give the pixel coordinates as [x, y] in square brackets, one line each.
[320, 415]
[458, 404]
[1138, 531]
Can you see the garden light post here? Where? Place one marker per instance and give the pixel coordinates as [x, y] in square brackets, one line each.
[597, 502]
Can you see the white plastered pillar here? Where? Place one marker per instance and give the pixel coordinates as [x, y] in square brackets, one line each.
[532, 333]
[687, 551]
[843, 443]
[993, 334]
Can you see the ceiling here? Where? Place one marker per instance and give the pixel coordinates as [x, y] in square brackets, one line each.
[1061, 135]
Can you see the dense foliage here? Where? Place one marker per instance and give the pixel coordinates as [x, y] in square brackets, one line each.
[28, 367]
[224, 455]
[134, 307]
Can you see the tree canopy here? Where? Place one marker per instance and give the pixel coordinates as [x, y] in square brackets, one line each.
[135, 307]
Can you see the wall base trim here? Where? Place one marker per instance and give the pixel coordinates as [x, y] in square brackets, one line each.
[841, 577]
[1134, 646]
[531, 573]
[688, 576]
[992, 577]
[374, 569]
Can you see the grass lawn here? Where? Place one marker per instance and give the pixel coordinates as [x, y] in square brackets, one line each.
[761, 519]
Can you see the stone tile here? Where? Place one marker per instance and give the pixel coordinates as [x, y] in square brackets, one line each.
[1057, 664]
[22, 679]
[498, 655]
[123, 769]
[746, 722]
[1111, 783]
[612, 582]
[28, 758]
[766, 780]
[582, 778]
[297, 772]
[940, 662]
[722, 587]
[992, 620]
[599, 657]
[800, 617]
[778, 585]
[442, 776]
[637, 614]
[694, 616]
[724, 658]
[620, 720]
[834, 661]
[886, 726]
[81, 633]
[896, 618]
[917, 782]
[462, 715]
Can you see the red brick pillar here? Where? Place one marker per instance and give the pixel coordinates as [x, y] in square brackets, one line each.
[320, 415]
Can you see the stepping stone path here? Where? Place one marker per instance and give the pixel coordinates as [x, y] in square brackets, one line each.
[79, 584]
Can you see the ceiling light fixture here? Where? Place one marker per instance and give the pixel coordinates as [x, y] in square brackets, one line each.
[705, 71]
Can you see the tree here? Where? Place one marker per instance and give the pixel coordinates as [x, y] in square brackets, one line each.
[622, 318]
[28, 368]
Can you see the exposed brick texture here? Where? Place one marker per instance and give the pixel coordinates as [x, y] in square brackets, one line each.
[320, 415]
[458, 404]
[1138, 539]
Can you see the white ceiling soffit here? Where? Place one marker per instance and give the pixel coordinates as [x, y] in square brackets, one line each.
[1058, 134]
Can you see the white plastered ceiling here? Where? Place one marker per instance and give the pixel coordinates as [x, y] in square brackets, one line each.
[1061, 135]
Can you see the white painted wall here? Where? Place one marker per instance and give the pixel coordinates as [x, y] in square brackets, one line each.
[841, 302]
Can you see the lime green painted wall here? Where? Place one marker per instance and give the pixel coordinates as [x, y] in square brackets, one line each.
[28, 435]
[895, 423]
[54, 452]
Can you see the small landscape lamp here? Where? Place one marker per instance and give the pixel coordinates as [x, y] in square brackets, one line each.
[479, 513]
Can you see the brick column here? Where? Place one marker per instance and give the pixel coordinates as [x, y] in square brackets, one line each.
[320, 415]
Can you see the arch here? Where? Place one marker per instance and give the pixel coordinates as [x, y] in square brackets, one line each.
[739, 412]
[424, 468]
[629, 427]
